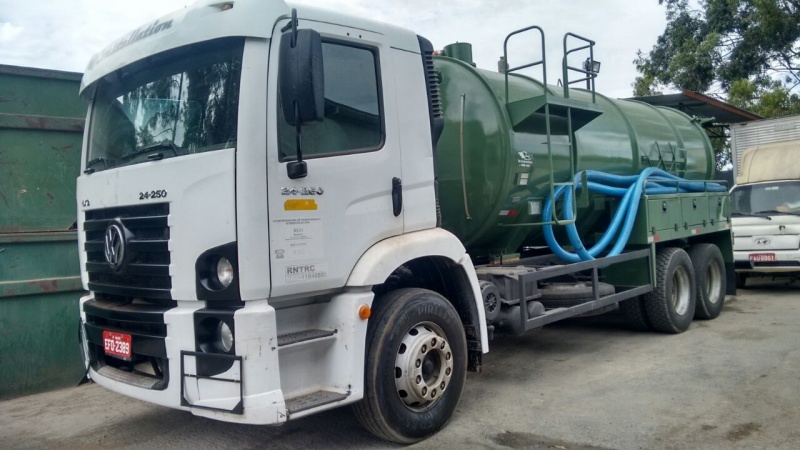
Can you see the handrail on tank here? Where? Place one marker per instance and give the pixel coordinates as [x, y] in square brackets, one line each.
[542, 61]
[590, 74]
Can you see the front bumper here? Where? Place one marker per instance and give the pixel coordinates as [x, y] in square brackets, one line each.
[786, 261]
[177, 379]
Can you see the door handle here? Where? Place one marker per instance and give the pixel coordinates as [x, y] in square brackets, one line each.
[397, 196]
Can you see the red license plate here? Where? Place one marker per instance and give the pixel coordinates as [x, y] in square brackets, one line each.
[117, 344]
[761, 257]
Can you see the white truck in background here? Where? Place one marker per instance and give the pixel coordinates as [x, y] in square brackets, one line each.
[761, 132]
[766, 211]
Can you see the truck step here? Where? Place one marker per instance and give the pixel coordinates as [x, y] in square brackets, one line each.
[128, 377]
[303, 336]
[312, 400]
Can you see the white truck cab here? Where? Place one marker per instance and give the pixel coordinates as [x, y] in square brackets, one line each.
[766, 212]
[225, 282]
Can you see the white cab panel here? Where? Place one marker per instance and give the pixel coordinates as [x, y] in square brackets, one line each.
[419, 199]
[251, 170]
[200, 193]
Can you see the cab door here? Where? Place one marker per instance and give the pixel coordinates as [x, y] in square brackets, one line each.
[321, 224]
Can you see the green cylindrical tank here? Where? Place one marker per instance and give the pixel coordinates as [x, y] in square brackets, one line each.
[493, 162]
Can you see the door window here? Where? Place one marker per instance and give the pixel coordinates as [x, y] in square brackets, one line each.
[353, 112]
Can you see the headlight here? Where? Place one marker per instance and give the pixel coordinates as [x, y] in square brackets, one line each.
[224, 272]
[224, 337]
[214, 333]
[216, 277]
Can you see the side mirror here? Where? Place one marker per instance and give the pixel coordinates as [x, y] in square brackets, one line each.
[301, 76]
[301, 84]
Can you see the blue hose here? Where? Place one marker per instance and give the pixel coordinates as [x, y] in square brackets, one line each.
[630, 188]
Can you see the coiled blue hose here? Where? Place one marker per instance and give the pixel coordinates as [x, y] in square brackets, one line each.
[630, 188]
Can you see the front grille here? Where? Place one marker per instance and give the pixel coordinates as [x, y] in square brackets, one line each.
[146, 274]
[144, 322]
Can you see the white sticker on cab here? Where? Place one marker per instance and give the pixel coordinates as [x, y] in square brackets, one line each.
[306, 272]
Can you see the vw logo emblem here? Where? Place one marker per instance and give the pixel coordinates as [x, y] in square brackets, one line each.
[115, 246]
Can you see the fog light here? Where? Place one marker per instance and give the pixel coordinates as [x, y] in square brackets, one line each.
[224, 272]
[224, 337]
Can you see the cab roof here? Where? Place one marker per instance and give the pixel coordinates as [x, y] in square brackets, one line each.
[212, 19]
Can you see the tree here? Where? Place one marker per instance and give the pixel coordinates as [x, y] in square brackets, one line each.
[767, 101]
[744, 51]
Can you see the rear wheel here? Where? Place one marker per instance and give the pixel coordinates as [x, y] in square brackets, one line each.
[416, 364]
[670, 306]
[709, 272]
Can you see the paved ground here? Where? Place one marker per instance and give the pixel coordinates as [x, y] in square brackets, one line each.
[585, 384]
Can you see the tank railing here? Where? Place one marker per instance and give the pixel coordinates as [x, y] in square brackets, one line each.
[588, 70]
[542, 62]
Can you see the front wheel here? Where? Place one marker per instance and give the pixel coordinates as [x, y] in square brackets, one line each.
[670, 306]
[416, 363]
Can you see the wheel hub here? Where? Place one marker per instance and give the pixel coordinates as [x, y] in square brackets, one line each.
[680, 291]
[713, 282]
[423, 367]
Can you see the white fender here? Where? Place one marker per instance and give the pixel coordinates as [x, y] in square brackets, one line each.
[377, 263]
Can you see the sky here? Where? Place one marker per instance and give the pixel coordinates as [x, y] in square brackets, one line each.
[64, 34]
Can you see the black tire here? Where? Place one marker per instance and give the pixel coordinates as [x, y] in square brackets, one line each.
[403, 323]
[670, 306]
[741, 281]
[709, 273]
[635, 315]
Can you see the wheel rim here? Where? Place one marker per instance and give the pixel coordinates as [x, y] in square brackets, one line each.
[423, 366]
[680, 291]
[713, 282]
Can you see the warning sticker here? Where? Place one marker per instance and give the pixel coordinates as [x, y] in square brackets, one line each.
[525, 159]
[298, 239]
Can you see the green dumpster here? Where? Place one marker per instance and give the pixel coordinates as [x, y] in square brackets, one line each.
[41, 128]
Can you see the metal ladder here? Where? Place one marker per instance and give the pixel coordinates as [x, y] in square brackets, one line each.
[552, 105]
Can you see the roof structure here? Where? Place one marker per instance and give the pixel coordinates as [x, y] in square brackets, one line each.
[696, 104]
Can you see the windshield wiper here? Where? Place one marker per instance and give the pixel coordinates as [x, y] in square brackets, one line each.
[89, 170]
[163, 145]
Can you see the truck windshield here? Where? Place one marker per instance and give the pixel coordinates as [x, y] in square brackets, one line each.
[767, 198]
[175, 103]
